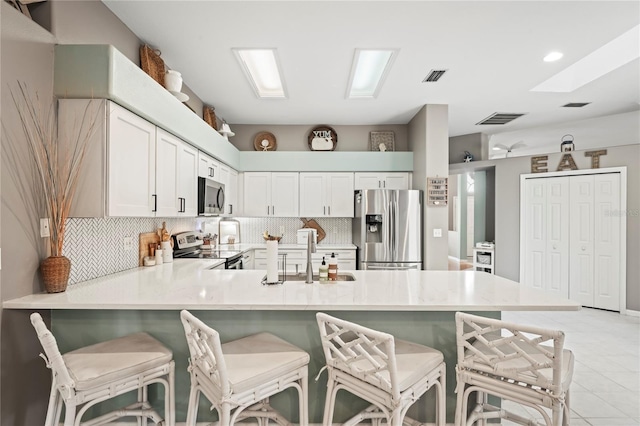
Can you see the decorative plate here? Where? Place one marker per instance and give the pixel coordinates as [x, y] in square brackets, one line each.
[322, 138]
[265, 141]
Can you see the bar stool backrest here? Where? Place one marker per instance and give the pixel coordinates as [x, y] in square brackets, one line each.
[510, 350]
[205, 351]
[54, 359]
[361, 352]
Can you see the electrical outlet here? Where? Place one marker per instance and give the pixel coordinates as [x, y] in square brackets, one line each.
[437, 232]
[282, 230]
[128, 243]
[44, 227]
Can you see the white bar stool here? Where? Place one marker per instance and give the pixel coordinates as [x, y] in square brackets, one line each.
[511, 362]
[238, 377]
[389, 373]
[87, 376]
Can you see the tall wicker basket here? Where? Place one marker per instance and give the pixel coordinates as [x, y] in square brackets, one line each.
[55, 273]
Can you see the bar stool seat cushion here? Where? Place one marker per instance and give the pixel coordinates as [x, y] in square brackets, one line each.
[254, 360]
[104, 362]
[413, 362]
[505, 368]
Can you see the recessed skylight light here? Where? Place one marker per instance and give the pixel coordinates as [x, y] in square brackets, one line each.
[618, 52]
[552, 56]
[369, 68]
[262, 69]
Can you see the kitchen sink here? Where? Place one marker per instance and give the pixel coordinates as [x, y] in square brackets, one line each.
[303, 277]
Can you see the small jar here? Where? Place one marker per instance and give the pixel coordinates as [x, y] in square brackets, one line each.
[159, 257]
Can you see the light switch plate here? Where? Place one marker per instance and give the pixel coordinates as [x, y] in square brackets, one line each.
[44, 227]
[437, 232]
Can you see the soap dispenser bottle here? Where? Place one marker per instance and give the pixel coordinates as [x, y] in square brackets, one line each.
[333, 268]
[323, 272]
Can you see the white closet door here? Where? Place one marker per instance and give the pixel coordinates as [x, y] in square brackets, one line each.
[581, 259]
[557, 244]
[607, 241]
[535, 233]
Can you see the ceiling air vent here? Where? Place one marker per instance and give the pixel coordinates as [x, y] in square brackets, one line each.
[433, 76]
[575, 104]
[500, 118]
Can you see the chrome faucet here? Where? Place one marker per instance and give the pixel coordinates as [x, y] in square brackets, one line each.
[311, 248]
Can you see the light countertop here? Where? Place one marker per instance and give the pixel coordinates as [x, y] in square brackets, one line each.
[189, 284]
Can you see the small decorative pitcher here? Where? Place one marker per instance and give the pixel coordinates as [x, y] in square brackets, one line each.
[173, 81]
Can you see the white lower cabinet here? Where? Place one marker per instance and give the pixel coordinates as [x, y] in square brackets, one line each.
[296, 259]
[270, 194]
[248, 259]
[383, 180]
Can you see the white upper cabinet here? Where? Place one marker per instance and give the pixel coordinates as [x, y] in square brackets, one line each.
[270, 194]
[187, 180]
[326, 194]
[118, 174]
[232, 194]
[382, 180]
[133, 168]
[131, 147]
[176, 177]
[167, 153]
[208, 167]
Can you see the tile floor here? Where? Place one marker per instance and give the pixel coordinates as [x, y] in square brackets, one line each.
[606, 384]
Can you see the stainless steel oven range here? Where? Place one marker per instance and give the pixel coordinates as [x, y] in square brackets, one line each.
[188, 245]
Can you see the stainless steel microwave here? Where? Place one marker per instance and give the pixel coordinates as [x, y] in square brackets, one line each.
[210, 197]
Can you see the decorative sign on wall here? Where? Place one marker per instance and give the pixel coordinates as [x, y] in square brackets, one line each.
[381, 141]
[539, 163]
[322, 138]
[437, 191]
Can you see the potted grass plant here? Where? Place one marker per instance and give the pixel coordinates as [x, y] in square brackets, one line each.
[49, 162]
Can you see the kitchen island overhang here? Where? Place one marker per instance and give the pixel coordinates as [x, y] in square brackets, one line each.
[417, 306]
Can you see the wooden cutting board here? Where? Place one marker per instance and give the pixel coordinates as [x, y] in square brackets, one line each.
[314, 225]
[143, 249]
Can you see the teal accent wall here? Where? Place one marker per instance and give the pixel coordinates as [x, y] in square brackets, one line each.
[76, 328]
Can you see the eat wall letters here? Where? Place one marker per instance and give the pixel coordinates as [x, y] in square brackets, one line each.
[539, 163]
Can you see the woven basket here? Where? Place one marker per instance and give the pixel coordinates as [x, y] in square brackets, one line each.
[152, 63]
[209, 116]
[55, 273]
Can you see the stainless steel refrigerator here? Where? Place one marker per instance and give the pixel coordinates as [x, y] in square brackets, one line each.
[387, 229]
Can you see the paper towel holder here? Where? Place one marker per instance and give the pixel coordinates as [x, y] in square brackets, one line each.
[281, 278]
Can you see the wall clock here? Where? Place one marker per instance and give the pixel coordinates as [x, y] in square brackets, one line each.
[322, 138]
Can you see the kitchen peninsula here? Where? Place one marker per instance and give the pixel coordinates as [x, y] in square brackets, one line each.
[413, 305]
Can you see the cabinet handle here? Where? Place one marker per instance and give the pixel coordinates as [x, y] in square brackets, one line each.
[379, 184]
[329, 210]
[230, 208]
[324, 210]
[155, 203]
[267, 210]
[273, 210]
[384, 183]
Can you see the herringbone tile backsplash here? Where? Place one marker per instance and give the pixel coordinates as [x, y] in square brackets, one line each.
[96, 246]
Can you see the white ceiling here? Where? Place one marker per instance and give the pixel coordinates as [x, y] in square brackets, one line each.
[492, 50]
